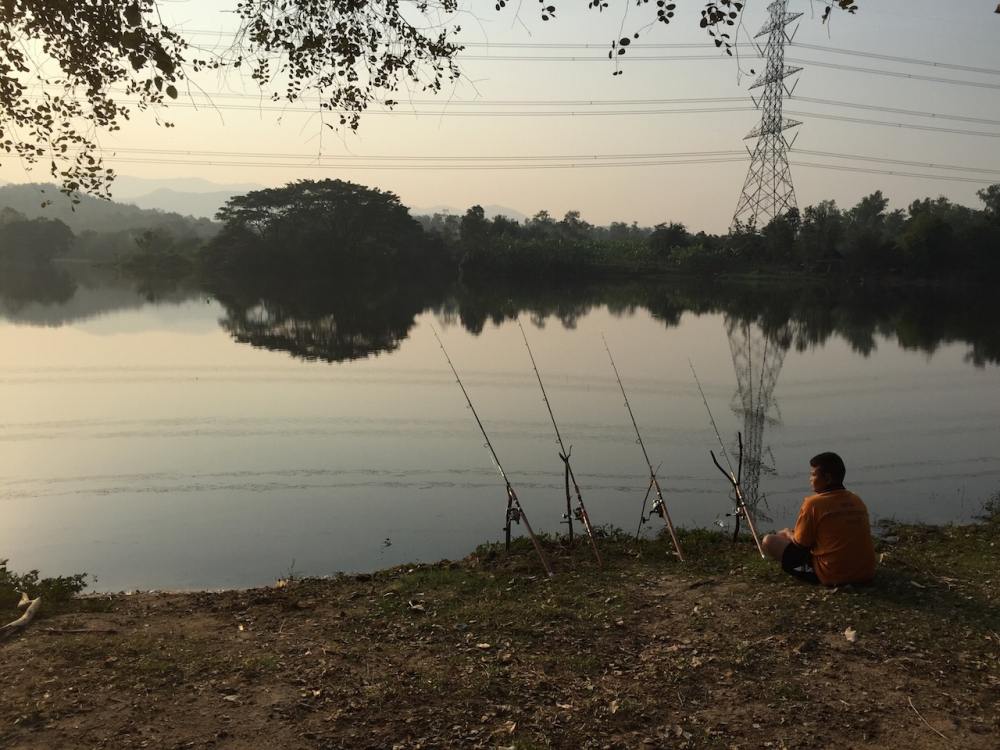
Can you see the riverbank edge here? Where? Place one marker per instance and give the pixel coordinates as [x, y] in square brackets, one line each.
[488, 652]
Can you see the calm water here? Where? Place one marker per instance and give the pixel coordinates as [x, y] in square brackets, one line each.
[147, 443]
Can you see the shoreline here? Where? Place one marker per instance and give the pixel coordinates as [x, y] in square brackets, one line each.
[721, 651]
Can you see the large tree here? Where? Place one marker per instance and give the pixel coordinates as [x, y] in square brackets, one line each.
[317, 227]
[65, 65]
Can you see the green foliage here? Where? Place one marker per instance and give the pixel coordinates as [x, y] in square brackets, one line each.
[52, 590]
[318, 226]
[79, 57]
[159, 253]
[668, 237]
[820, 234]
[934, 239]
[545, 248]
[991, 201]
[62, 63]
[33, 241]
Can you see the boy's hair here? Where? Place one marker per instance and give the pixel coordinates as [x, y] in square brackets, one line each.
[830, 464]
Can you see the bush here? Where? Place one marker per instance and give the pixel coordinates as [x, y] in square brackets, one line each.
[59, 589]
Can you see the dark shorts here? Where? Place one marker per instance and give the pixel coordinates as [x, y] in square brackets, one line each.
[797, 561]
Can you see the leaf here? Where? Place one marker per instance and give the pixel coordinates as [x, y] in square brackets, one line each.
[133, 17]
[172, 91]
[851, 634]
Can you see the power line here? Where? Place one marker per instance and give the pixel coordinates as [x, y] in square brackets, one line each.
[210, 96]
[880, 160]
[895, 110]
[517, 167]
[422, 167]
[582, 113]
[894, 173]
[893, 74]
[894, 58]
[625, 113]
[692, 45]
[382, 157]
[348, 158]
[903, 125]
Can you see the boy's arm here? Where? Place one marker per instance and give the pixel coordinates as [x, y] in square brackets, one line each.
[805, 528]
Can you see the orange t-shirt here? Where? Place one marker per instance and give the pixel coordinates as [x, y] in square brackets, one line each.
[834, 526]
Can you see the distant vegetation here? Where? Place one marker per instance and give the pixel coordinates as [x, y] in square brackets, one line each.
[39, 224]
[338, 230]
[932, 239]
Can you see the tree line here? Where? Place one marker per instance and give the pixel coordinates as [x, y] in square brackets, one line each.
[344, 230]
[932, 238]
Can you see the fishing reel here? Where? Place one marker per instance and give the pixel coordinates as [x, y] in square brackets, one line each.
[514, 514]
[658, 508]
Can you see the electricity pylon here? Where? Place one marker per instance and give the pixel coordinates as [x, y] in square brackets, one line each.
[768, 190]
[757, 359]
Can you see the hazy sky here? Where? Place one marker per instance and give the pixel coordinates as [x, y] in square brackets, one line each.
[702, 195]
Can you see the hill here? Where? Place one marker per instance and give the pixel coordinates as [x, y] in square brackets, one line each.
[44, 201]
[198, 205]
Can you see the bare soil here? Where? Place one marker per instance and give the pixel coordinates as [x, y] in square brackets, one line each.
[721, 651]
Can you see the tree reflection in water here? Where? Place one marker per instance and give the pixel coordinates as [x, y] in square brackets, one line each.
[43, 284]
[349, 317]
[331, 321]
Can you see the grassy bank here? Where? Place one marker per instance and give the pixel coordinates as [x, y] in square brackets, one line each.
[721, 651]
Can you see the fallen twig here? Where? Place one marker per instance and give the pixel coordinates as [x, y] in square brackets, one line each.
[921, 717]
[73, 631]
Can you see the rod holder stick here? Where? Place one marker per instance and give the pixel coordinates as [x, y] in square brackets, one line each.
[652, 472]
[741, 506]
[666, 517]
[569, 502]
[564, 456]
[531, 534]
[642, 515]
[585, 517]
[513, 504]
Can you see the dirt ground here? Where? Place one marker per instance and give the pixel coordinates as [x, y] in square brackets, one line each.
[721, 651]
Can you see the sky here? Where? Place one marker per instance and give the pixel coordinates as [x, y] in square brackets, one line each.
[238, 145]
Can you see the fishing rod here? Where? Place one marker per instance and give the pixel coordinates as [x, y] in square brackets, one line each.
[659, 505]
[515, 513]
[580, 512]
[735, 478]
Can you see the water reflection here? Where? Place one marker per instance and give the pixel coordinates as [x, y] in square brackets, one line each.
[329, 321]
[757, 360]
[164, 421]
[347, 319]
[22, 286]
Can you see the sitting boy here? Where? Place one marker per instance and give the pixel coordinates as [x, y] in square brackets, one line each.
[832, 542]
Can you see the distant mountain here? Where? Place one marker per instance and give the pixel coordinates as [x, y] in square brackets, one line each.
[490, 210]
[93, 214]
[128, 188]
[201, 205]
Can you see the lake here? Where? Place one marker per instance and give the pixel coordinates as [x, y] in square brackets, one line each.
[178, 439]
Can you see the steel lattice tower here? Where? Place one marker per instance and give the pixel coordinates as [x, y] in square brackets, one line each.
[768, 190]
[757, 359]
